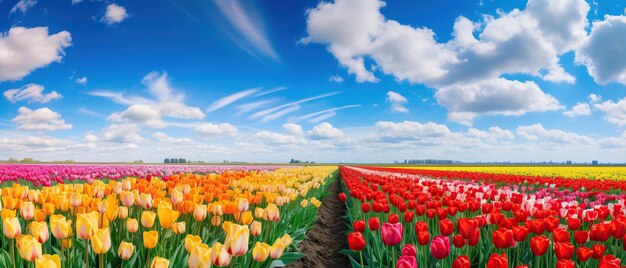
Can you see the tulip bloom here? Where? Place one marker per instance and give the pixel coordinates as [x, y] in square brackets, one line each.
[563, 250]
[236, 242]
[61, 228]
[342, 197]
[466, 227]
[391, 233]
[199, 212]
[359, 226]
[191, 241]
[48, 261]
[539, 245]
[28, 247]
[406, 262]
[461, 261]
[598, 251]
[502, 238]
[356, 241]
[127, 198]
[271, 213]
[458, 241]
[123, 213]
[373, 223]
[39, 230]
[167, 216]
[581, 237]
[27, 211]
[200, 256]
[145, 200]
[498, 261]
[11, 227]
[583, 253]
[86, 224]
[219, 256]
[246, 218]
[261, 251]
[125, 250]
[423, 237]
[560, 235]
[440, 247]
[409, 250]
[147, 219]
[178, 227]
[158, 262]
[132, 225]
[565, 264]
[276, 250]
[446, 227]
[101, 241]
[150, 239]
[255, 228]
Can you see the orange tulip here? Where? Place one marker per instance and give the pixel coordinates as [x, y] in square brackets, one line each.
[9, 202]
[86, 224]
[61, 228]
[147, 219]
[101, 241]
[158, 262]
[132, 225]
[27, 211]
[150, 239]
[48, 261]
[39, 230]
[49, 208]
[125, 250]
[111, 210]
[40, 215]
[66, 243]
[260, 251]
[11, 227]
[246, 217]
[8, 213]
[167, 216]
[28, 247]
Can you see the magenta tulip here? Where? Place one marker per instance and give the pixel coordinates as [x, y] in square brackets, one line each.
[391, 233]
[440, 247]
[406, 262]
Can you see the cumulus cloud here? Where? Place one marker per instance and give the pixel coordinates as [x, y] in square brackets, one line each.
[81, 81]
[27, 49]
[614, 112]
[214, 130]
[336, 79]
[275, 138]
[593, 98]
[122, 133]
[537, 133]
[293, 129]
[324, 131]
[114, 14]
[42, 119]
[31, 93]
[601, 49]
[164, 138]
[492, 134]
[23, 6]
[494, 97]
[410, 130]
[91, 138]
[580, 109]
[397, 102]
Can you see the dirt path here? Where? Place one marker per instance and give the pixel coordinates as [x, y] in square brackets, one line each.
[328, 235]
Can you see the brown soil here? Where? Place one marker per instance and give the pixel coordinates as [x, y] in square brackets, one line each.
[328, 236]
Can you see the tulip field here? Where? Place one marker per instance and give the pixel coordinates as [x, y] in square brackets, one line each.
[450, 217]
[157, 215]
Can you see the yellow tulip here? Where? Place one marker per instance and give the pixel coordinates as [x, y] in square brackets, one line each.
[158, 262]
[127, 198]
[246, 217]
[9, 202]
[176, 196]
[48, 261]
[219, 256]
[199, 212]
[8, 213]
[150, 239]
[125, 250]
[27, 211]
[61, 228]
[123, 213]
[304, 203]
[111, 210]
[271, 213]
[167, 216]
[255, 228]
[11, 227]
[243, 204]
[86, 224]
[200, 256]
[178, 227]
[28, 247]
[191, 241]
[39, 230]
[276, 251]
[101, 241]
[285, 240]
[258, 213]
[147, 219]
[49, 208]
[76, 199]
[260, 251]
[237, 239]
[132, 225]
[145, 200]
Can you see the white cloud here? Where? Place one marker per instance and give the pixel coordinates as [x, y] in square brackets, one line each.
[580, 109]
[42, 119]
[593, 98]
[166, 103]
[164, 138]
[26, 49]
[218, 104]
[23, 6]
[324, 131]
[494, 97]
[317, 117]
[602, 49]
[336, 79]
[279, 111]
[410, 130]
[74, 2]
[114, 14]
[210, 129]
[614, 112]
[31, 93]
[91, 138]
[492, 134]
[293, 129]
[246, 107]
[557, 74]
[397, 102]
[122, 133]
[537, 133]
[275, 138]
[81, 81]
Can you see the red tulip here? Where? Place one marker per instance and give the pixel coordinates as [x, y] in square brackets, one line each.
[365, 207]
[474, 238]
[446, 227]
[393, 218]
[359, 226]
[430, 213]
[374, 223]
[581, 236]
[440, 247]
[406, 262]
[539, 245]
[560, 235]
[409, 250]
[522, 266]
[573, 224]
[466, 227]
[537, 226]
[421, 226]
[563, 250]
[583, 253]
[609, 261]
[391, 233]
[423, 237]
[342, 197]
[618, 228]
[408, 216]
[565, 264]
[599, 232]
[502, 238]
[498, 261]
[598, 251]
[520, 233]
[356, 241]
[458, 241]
[461, 262]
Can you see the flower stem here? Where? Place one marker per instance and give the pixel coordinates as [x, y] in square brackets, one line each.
[13, 252]
[361, 255]
[87, 253]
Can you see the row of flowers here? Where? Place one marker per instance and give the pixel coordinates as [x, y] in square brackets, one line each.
[411, 218]
[236, 218]
[47, 174]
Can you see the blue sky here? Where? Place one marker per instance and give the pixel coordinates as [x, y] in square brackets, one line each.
[345, 80]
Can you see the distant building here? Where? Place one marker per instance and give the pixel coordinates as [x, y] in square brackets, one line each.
[430, 162]
[594, 162]
[166, 161]
[569, 162]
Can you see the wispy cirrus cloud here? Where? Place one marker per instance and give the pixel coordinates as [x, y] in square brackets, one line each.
[225, 101]
[265, 112]
[317, 117]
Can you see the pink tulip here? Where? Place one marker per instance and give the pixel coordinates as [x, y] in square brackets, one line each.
[406, 262]
[391, 233]
[440, 247]
[409, 250]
